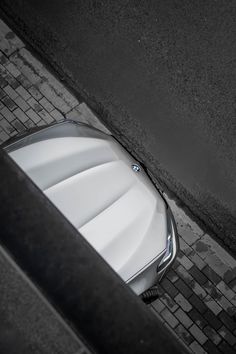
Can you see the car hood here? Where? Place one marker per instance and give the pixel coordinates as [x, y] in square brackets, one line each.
[91, 181]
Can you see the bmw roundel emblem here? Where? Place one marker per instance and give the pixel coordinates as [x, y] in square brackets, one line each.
[136, 168]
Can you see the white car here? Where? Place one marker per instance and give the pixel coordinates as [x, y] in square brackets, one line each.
[105, 193]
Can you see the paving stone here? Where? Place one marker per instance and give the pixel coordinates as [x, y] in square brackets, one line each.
[61, 91]
[3, 70]
[211, 275]
[198, 318]
[183, 303]
[185, 261]
[57, 115]
[14, 133]
[225, 348]
[11, 92]
[3, 136]
[7, 114]
[219, 251]
[2, 93]
[169, 302]
[20, 115]
[184, 334]
[158, 305]
[41, 123]
[198, 275]
[18, 125]
[229, 275]
[3, 59]
[218, 265]
[232, 285]
[201, 248]
[3, 82]
[6, 126]
[176, 264]
[214, 292]
[23, 92]
[169, 318]
[197, 303]
[24, 81]
[36, 72]
[9, 103]
[8, 77]
[172, 276]
[25, 67]
[183, 318]
[46, 104]
[183, 288]
[9, 42]
[12, 69]
[228, 321]
[184, 274]
[211, 348]
[197, 260]
[46, 116]
[198, 334]
[35, 105]
[228, 293]
[227, 335]
[12, 81]
[212, 319]
[198, 290]
[212, 335]
[184, 246]
[217, 258]
[22, 103]
[33, 116]
[54, 98]
[35, 93]
[212, 305]
[196, 348]
[190, 281]
[186, 232]
[169, 287]
[29, 124]
[227, 306]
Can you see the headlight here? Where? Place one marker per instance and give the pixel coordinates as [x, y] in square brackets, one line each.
[169, 246]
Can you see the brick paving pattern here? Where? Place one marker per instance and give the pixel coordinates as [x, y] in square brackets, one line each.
[198, 296]
[29, 94]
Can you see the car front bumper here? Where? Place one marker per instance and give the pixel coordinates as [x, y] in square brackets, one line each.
[153, 273]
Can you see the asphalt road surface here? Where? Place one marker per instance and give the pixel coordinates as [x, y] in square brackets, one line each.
[162, 75]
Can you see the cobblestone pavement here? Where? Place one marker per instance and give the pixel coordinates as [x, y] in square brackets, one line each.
[198, 296]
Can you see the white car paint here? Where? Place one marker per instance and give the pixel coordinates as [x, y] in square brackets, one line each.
[117, 209]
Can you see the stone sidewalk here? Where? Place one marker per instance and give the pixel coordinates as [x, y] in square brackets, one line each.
[198, 297]
[30, 95]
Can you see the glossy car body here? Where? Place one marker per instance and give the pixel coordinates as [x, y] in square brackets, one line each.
[105, 194]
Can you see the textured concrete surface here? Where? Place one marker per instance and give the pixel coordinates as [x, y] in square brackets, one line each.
[162, 74]
[198, 297]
